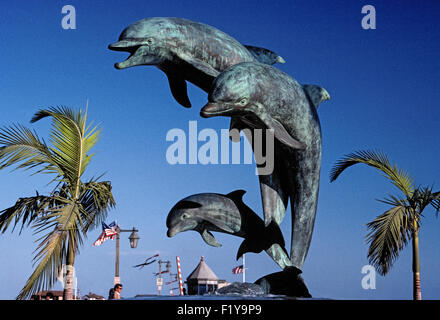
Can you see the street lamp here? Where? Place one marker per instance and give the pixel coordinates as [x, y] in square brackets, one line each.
[134, 238]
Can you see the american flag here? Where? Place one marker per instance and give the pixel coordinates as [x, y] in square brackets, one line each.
[108, 232]
[238, 270]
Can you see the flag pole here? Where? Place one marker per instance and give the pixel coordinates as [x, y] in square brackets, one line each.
[244, 269]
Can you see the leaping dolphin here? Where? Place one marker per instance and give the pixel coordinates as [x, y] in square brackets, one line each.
[206, 212]
[185, 51]
[265, 97]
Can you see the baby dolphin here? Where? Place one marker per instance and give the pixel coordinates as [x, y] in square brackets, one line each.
[206, 212]
[185, 51]
[266, 98]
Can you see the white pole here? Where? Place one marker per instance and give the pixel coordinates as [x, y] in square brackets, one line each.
[76, 287]
[244, 269]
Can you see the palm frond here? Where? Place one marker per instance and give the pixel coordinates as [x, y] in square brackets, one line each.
[27, 210]
[423, 197]
[389, 233]
[71, 140]
[96, 199]
[436, 202]
[51, 255]
[393, 201]
[379, 161]
[22, 147]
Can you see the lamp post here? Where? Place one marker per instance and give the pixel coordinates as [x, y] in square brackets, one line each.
[134, 238]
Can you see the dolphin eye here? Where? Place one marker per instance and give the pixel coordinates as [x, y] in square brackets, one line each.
[184, 216]
[150, 41]
[243, 101]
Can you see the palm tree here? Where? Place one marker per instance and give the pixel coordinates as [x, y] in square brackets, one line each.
[63, 217]
[392, 230]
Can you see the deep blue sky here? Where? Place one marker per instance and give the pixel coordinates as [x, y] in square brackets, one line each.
[384, 88]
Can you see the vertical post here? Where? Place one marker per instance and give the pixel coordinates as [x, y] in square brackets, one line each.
[180, 275]
[244, 269]
[75, 291]
[159, 287]
[117, 279]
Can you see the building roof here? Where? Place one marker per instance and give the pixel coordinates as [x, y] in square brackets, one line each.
[93, 296]
[56, 293]
[202, 272]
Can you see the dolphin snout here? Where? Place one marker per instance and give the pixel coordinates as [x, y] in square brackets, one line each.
[215, 109]
[124, 45]
[207, 109]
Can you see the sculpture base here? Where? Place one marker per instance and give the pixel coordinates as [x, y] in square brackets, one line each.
[243, 289]
[287, 282]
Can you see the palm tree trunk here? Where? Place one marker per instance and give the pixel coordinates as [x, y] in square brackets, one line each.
[417, 291]
[68, 284]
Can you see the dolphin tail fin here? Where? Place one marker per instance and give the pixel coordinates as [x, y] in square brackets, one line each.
[272, 234]
[244, 247]
[264, 55]
[316, 94]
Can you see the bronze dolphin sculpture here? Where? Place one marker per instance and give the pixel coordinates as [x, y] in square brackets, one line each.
[185, 51]
[206, 212]
[264, 97]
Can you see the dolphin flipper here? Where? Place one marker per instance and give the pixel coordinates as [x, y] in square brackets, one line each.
[278, 130]
[200, 65]
[316, 94]
[282, 135]
[209, 238]
[265, 56]
[179, 90]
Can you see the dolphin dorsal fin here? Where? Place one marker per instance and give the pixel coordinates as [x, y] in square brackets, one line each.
[236, 195]
[316, 94]
[265, 56]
